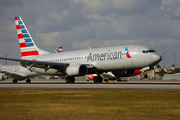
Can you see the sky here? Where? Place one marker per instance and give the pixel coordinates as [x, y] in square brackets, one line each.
[78, 24]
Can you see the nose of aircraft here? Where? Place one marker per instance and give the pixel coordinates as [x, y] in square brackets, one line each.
[156, 59]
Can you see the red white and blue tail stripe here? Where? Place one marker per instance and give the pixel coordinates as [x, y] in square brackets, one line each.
[58, 49]
[27, 46]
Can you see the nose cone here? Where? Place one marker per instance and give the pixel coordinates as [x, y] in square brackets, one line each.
[156, 59]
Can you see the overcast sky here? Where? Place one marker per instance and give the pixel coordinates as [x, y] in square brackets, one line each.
[78, 24]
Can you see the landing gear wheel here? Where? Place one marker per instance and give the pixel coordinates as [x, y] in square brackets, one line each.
[70, 79]
[97, 79]
[100, 79]
[145, 76]
[28, 81]
[106, 80]
[14, 81]
[67, 80]
[118, 80]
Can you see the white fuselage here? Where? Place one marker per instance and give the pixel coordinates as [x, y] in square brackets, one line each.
[104, 59]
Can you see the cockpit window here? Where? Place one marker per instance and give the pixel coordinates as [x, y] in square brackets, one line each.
[152, 50]
[148, 51]
[145, 51]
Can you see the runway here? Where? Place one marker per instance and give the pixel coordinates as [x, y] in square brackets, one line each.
[147, 85]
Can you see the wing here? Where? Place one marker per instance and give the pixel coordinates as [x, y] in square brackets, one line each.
[74, 69]
[42, 67]
[37, 63]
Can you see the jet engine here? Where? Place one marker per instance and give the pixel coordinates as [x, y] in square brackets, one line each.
[91, 76]
[76, 70]
[124, 73]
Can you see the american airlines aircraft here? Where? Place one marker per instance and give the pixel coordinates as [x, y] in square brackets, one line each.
[120, 60]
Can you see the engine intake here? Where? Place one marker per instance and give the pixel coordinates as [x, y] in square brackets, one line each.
[124, 73]
[76, 70]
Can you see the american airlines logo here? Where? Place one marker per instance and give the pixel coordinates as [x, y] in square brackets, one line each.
[104, 56]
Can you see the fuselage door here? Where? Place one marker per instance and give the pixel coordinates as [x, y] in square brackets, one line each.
[134, 53]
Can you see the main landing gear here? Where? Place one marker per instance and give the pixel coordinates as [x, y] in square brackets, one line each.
[70, 79]
[14, 81]
[98, 79]
[27, 81]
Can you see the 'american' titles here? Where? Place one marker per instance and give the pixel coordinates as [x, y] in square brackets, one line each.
[104, 56]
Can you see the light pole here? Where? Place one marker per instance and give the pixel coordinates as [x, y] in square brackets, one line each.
[164, 60]
[6, 57]
[174, 60]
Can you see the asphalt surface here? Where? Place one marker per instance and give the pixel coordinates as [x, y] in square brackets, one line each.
[56, 84]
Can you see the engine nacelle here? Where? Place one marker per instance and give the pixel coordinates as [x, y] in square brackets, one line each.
[2, 78]
[91, 76]
[76, 70]
[124, 73]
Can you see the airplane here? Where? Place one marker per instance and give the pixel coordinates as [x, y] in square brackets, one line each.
[120, 60]
[110, 76]
[18, 73]
[162, 71]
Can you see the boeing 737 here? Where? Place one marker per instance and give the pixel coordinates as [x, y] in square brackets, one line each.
[120, 60]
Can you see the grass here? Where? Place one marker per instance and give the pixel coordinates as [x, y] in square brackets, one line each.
[89, 104]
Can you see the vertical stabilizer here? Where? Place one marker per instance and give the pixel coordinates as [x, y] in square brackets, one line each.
[28, 47]
[161, 70]
[58, 49]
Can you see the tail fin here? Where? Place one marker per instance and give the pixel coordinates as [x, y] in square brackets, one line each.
[28, 47]
[161, 70]
[58, 49]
